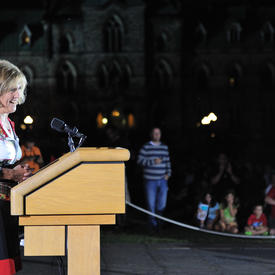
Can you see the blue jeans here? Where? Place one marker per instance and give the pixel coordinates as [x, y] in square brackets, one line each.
[156, 196]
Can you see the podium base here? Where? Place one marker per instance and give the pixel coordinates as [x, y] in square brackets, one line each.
[84, 250]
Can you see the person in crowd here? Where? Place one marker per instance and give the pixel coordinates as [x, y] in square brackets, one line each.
[31, 155]
[270, 200]
[257, 222]
[267, 178]
[228, 213]
[155, 160]
[224, 178]
[12, 87]
[208, 211]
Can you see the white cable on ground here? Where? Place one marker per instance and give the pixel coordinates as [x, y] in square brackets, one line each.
[197, 228]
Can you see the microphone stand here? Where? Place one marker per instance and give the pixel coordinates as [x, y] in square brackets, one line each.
[71, 143]
[72, 134]
[82, 139]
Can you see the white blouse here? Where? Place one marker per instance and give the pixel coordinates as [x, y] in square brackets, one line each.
[10, 150]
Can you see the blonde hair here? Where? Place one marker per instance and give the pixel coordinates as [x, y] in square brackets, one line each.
[11, 77]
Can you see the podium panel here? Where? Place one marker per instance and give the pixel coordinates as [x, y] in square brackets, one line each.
[88, 188]
[44, 240]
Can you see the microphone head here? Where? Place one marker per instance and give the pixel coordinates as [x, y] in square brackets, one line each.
[58, 125]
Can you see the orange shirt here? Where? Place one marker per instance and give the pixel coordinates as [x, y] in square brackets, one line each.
[35, 151]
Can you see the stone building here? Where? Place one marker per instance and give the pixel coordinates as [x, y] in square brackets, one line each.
[165, 62]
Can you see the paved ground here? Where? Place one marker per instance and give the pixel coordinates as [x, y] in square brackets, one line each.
[167, 258]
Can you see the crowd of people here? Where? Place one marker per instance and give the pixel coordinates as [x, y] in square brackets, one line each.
[234, 197]
[231, 198]
[223, 216]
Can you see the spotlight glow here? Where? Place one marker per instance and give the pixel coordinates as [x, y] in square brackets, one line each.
[212, 117]
[205, 120]
[28, 120]
[104, 120]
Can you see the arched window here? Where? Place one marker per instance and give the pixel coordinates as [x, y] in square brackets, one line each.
[202, 77]
[233, 33]
[163, 76]
[267, 33]
[67, 78]
[128, 73]
[201, 34]
[25, 36]
[162, 41]
[103, 76]
[115, 77]
[28, 72]
[66, 43]
[114, 32]
[235, 75]
[267, 76]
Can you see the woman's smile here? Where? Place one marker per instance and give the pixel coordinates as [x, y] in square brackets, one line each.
[9, 100]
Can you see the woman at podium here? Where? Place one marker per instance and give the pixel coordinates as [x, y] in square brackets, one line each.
[12, 93]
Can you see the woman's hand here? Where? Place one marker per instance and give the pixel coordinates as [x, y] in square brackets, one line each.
[21, 172]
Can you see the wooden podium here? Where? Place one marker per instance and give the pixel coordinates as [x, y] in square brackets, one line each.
[63, 205]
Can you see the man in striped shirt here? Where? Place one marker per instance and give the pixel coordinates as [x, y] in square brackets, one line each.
[155, 160]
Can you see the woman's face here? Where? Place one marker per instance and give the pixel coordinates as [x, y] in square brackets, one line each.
[208, 198]
[230, 198]
[9, 101]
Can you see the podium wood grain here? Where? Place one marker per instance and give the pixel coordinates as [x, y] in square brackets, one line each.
[68, 220]
[82, 190]
[83, 250]
[44, 240]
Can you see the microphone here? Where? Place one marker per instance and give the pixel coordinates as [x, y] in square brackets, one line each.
[60, 126]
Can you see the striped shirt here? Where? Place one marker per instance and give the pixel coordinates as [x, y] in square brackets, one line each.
[146, 158]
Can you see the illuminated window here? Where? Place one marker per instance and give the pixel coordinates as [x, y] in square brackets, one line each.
[99, 120]
[25, 36]
[131, 121]
[115, 113]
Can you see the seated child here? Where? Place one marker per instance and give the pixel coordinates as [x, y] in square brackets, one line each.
[208, 210]
[228, 213]
[257, 222]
